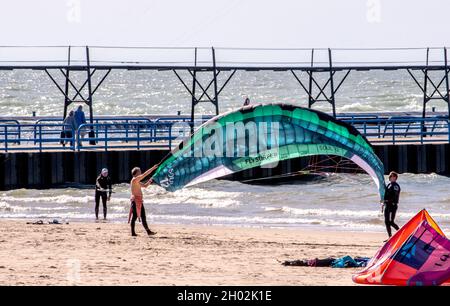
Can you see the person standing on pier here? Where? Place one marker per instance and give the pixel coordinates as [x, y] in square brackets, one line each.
[390, 205]
[69, 128]
[103, 190]
[80, 119]
[137, 210]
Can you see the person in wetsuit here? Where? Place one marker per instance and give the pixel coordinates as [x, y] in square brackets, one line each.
[103, 190]
[137, 210]
[391, 197]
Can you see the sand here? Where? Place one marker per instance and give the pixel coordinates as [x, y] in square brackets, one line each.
[106, 254]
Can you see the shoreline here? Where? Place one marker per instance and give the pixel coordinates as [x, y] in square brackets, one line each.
[82, 253]
[300, 227]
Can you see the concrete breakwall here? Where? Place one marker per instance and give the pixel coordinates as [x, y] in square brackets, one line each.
[53, 169]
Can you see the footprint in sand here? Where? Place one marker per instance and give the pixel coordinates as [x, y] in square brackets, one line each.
[44, 276]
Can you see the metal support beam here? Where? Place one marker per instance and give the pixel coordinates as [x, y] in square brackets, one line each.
[195, 81]
[226, 82]
[332, 100]
[56, 83]
[436, 93]
[204, 91]
[447, 82]
[310, 99]
[314, 84]
[68, 81]
[69, 84]
[425, 86]
[425, 89]
[415, 80]
[101, 81]
[216, 96]
[342, 81]
[194, 99]
[88, 71]
[436, 88]
[321, 95]
[321, 89]
[66, 91]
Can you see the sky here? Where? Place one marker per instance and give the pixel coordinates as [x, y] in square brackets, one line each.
[227, 23]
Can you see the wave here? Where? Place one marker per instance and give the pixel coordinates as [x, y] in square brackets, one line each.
[262, 221]
[4, 206]
[361, 214]
[59, 199]
[66, 217]
[341, 202]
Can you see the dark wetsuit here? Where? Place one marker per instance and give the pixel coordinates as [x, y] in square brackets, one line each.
[391, 198]
[103, 186]
[135, 216]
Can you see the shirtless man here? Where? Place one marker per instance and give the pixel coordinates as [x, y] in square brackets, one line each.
[137, 209]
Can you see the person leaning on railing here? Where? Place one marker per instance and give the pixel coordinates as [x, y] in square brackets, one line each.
[68, 129]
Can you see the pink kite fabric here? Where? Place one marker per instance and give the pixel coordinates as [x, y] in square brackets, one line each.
[417, 255]
[423, 260]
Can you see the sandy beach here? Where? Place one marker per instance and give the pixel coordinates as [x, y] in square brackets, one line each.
[106, 254]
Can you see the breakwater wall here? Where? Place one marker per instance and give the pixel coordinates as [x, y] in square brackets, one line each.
[53, 169]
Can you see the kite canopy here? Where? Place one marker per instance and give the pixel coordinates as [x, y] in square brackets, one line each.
[259, 135]
[417, 255]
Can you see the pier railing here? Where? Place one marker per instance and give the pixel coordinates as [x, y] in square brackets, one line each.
[403, 130]
[119, 121]
[108, 136]
[139, 133]
[36, 137]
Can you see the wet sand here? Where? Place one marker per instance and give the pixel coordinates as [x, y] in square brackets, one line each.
[106, 254]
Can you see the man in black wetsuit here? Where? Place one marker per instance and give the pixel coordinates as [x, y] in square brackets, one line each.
[103, 190]
[391, 198]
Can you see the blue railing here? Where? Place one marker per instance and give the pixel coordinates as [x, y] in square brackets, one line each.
[26, 140]
[113, 120]
[144, 134]
[13, 132]
[404, 129]
[126, 135]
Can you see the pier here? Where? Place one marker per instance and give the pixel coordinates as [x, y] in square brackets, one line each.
[31, 150]
[33, 157]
